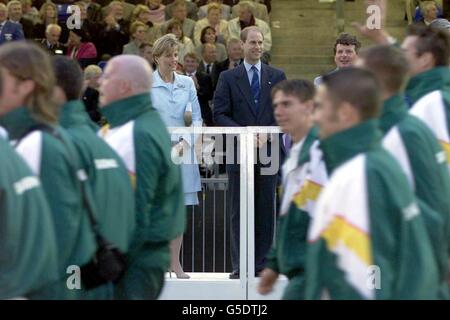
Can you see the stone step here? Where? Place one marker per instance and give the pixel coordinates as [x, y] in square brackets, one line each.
[307, 76]
[307, 68]
[302, 49]
[304, 31]
[321, 39]
[287, 59]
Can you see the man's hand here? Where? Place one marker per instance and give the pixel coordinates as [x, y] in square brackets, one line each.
[379, 36]
[267, 280]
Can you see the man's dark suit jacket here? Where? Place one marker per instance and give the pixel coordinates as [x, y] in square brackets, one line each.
[112, 41]
[233, 102]
[446, 10]
[218, 68]
[234, 106]
[90, 100]
[201, 67]
[28, 28]
[205, 94]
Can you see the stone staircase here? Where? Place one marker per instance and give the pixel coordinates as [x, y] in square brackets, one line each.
[304, 31]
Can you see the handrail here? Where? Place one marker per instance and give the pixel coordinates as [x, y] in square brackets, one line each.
[224, 130]
[247, 190]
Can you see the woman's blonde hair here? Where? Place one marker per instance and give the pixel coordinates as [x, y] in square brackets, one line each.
[43, 12]
[135, 25]
[27, 61]
[140, 8]
[214, 6]
[167, 43]
[92, 71]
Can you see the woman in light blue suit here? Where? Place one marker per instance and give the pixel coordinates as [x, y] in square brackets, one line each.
[173, 95]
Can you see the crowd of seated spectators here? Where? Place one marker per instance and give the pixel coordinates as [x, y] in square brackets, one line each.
[93, 31]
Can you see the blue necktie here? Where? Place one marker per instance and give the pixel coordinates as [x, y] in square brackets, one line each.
[255, 87]
[287, 142]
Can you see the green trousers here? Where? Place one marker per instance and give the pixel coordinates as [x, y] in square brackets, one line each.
[295, 289]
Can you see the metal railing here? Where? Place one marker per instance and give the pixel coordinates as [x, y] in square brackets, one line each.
[206, 243]
[209, 251]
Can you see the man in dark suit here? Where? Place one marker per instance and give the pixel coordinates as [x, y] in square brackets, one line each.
[203, 84]
[446, 9]
[9, 31]
[242, 98]
[235, 58]
[209, 57]
[114, 30]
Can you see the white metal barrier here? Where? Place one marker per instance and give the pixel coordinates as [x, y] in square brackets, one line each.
[218, 285]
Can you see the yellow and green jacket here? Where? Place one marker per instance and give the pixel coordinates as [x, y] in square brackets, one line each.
[301, 187]
[368, 239]
[137, 133]
[424, 163]
[428, 94]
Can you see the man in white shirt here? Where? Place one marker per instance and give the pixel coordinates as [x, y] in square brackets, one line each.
[346, 50]
[303, 176]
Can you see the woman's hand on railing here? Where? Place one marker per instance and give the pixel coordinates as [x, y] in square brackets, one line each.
[178, 148]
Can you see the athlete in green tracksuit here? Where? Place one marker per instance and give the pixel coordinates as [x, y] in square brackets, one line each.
[56, 164]
[427, 93]
[52, 156]
[415, 148]
[430, 92]
[437, 78]
[160, 212]
[137, 133]
[368, 238]
[111, 185]
[303, 175]
[111, 188]
[288, 254]
[28, 260]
